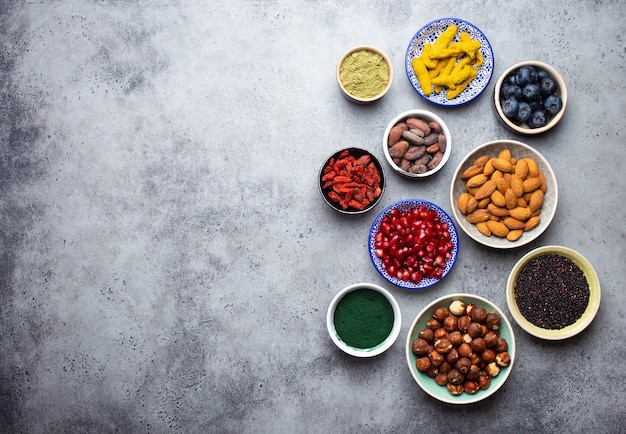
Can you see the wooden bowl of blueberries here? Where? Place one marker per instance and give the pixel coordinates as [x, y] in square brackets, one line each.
[530, 97]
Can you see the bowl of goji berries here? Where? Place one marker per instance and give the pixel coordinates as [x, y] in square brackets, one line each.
[352, 181]
[413, 244]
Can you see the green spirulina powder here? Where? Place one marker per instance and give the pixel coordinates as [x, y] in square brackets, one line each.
[363, 318]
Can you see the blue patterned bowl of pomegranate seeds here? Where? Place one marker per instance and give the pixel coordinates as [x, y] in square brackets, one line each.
[413, 244]
[553, 293]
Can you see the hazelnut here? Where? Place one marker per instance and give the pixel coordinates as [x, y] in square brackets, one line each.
[492, 369]
[420, 347]
[428, 335]
[463, 322]
[457, 307]
[440, 333]
[470, 387]
[432, 371]
[503, 359]
[436, 358]
[423, 364]
[469, 308]
[467, 338]
[452, 356]
[478, 345]
[488, 355]
[440, 313]
[450, 323]
[492, 321]
[474, 330]
[479, 314]
[441, 379]
[455, 337]
[485, 329]
[473, 373]
[443, 345]
[501, 346]
[455, 377]
[455, 389]
[491, 338]
[465, 350]
[475, 359]
[445, 367]
[463, 365]
[433, 324]
[484, 381]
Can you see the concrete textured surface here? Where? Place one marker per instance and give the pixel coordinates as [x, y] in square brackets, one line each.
[166, 257]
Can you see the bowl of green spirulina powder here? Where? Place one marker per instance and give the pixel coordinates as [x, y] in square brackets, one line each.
[364, 320]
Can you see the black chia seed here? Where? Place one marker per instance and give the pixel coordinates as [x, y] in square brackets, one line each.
[551, 291]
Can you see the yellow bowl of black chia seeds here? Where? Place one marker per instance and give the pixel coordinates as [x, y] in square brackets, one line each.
[364, 74]
[553, 293]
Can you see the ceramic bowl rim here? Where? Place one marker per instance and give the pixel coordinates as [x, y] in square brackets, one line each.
[547, 217]
[592, 308]
[369, 352]
[420, 377]
[430, 116]
[345, 92]
[562, 92]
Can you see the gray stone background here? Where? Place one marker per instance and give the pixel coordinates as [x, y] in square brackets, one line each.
[167, 260]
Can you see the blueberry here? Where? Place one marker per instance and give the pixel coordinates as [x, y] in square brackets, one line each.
[553, 104]
[510, 107]
[523, 112]
[526, 74]
[536, 104]
[511, 91]
[537, 119]
[548, 86]
[530, 92]
[512, 79]
[541, 74]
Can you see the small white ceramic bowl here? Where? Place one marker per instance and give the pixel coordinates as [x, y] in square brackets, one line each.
[427, 383]
[427, 117]
[364, 352]
[523, 128]
[374, 74]
[594, 294]
[518, 150]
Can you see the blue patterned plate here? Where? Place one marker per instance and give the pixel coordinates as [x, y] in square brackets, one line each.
[428, 34]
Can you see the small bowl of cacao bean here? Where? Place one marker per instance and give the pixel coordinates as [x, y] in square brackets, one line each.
[553, 292]
[530, 97]
[352, 181]
[417, 143]
[460, 348]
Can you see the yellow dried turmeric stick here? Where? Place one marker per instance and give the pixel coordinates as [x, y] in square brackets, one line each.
[429, 62]
[445, 38]
[422, 75]
[452, 93]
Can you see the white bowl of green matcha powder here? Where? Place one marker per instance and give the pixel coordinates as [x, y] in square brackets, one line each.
[364, 320]
[364, 74]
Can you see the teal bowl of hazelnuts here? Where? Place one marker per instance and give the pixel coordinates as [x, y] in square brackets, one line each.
[363, 320]
[460, 349]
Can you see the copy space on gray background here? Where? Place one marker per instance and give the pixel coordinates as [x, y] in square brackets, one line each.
[167, 260]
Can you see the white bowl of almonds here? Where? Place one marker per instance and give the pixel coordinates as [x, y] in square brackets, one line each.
[504, 194]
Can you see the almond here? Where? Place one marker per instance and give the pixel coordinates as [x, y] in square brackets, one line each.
[514, 234]
[499, 229]
[489, 169]
[503, 185]
[531, 184]
[472, 204]
[483, 228]
[484, 202]
[476, 180]
[502, 164]
[512, 223]
[510, 198]
[462, 202]
[544, 182]
[521, 202]
[497, 211]
[517, 185]
[505, 154]
[533, 169]
[471, 171]
[498, 199]
[521, 169]
[520, 213]
[481, 161]
[486, 190]
[479, 215]
[532, 223]
[536, 200]
[496, 175]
